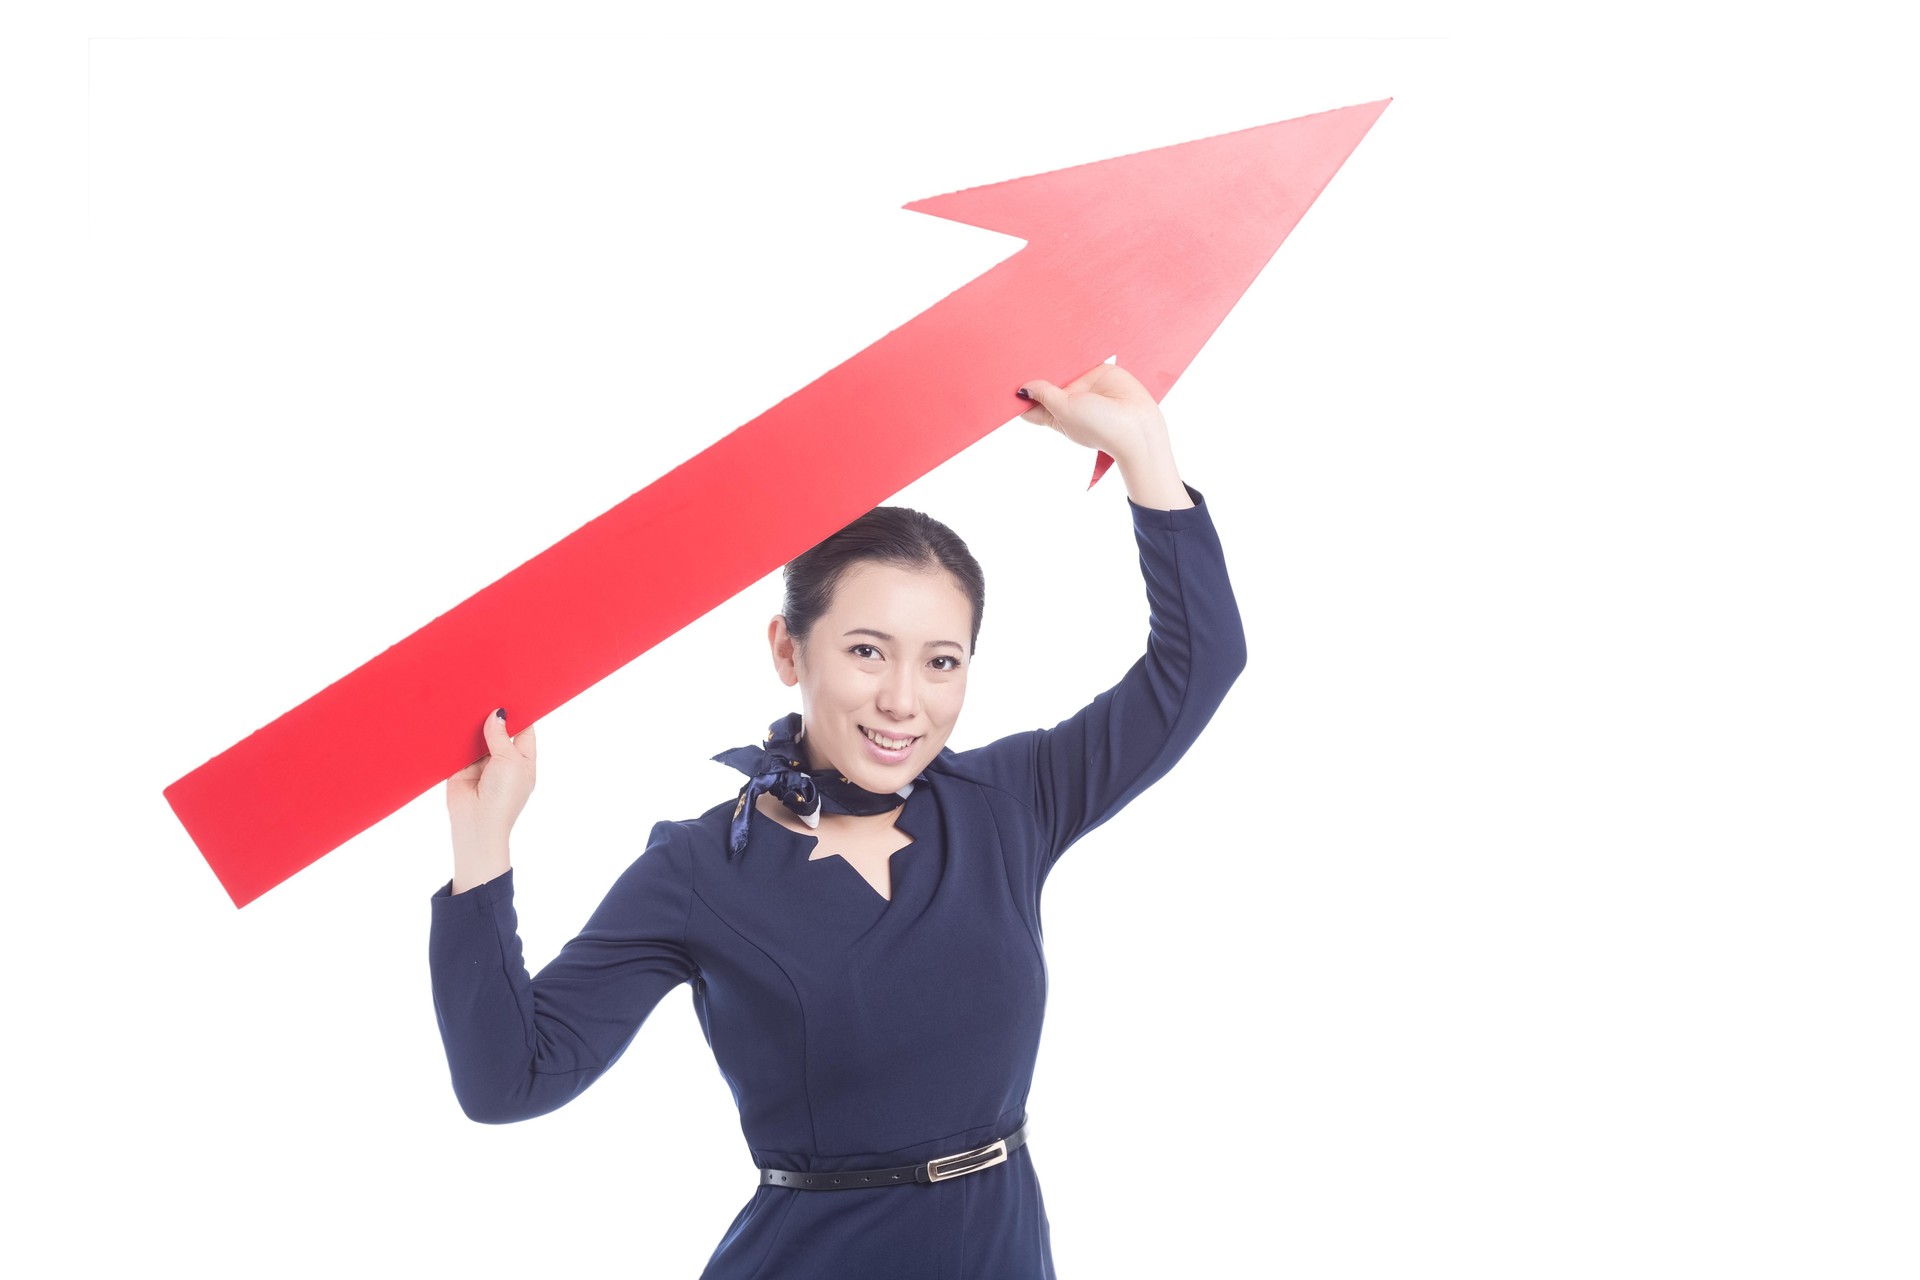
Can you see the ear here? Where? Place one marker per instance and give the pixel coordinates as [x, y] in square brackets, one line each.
[785, 651]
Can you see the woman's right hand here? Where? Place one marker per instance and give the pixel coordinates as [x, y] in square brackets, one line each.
[485, 798]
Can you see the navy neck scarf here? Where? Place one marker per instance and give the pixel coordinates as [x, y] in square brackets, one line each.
[778, 766]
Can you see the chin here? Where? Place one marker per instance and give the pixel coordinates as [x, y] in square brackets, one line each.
[882, 785]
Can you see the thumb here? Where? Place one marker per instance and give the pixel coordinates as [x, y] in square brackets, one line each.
[1050, 402]
[499, 742]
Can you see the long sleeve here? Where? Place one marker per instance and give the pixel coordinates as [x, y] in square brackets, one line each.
[1085, 769]
[519, 1047]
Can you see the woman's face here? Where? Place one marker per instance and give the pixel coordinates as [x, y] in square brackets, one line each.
[888, 660]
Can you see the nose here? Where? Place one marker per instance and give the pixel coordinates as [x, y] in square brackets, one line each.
[899, 694]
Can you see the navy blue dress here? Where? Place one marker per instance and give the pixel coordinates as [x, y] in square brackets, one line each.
[855, 1031]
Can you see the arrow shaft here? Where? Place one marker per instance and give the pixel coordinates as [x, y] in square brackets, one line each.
[595, 600]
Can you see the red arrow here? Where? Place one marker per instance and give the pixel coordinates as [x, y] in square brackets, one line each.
[1138, 257]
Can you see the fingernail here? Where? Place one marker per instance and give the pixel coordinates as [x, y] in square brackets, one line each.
[501, 712]
[1022, 393]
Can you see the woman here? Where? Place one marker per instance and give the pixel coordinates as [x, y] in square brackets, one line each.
[861, 924]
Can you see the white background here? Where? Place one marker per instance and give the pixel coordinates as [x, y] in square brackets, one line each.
[1540, 903]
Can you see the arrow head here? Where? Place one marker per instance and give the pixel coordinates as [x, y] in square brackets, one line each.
[1257, 181]
[1146, 253]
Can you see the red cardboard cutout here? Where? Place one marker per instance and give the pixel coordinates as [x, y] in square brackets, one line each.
[1138, 257]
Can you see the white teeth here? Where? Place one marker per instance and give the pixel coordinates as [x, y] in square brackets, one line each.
[891, 744]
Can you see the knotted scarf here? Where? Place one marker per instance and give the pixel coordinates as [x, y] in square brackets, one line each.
[777, 766]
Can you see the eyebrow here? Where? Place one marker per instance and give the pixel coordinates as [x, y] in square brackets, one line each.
[881, 635]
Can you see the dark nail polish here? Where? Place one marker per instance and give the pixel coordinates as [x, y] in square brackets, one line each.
[1022, 393]
[501, 712]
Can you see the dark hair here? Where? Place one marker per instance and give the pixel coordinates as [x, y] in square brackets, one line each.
[890, 535]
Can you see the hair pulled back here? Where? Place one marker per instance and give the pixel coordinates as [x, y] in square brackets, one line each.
[889, 535]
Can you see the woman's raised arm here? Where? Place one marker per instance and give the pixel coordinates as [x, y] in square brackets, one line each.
[520, 1046]
[1082, 771]
[484, 800]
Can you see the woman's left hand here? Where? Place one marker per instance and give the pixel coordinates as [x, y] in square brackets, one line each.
[1104, 408]
[1107, 408]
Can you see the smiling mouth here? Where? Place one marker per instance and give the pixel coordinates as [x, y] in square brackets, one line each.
[886, 743]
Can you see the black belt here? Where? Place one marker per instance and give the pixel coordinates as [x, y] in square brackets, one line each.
[938, 1169]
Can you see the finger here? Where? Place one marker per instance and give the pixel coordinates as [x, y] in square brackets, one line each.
[1036, 414]
[1119, 373]
[1116, 383]
[525, 741]
[498, 743]
[1051, 399]
[1091, 379]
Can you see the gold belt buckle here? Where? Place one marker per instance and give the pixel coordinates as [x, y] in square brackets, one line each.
[967, 1161]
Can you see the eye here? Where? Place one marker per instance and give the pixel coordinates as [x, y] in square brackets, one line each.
[953, 662]
[865, 652]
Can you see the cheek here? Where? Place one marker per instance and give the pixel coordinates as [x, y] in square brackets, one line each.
[852, 690]
[949, 696]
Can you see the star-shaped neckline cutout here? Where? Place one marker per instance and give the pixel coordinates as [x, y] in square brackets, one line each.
[866, 849]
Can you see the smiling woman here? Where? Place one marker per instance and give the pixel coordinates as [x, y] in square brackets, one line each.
[881, 674]
[880, 1037]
